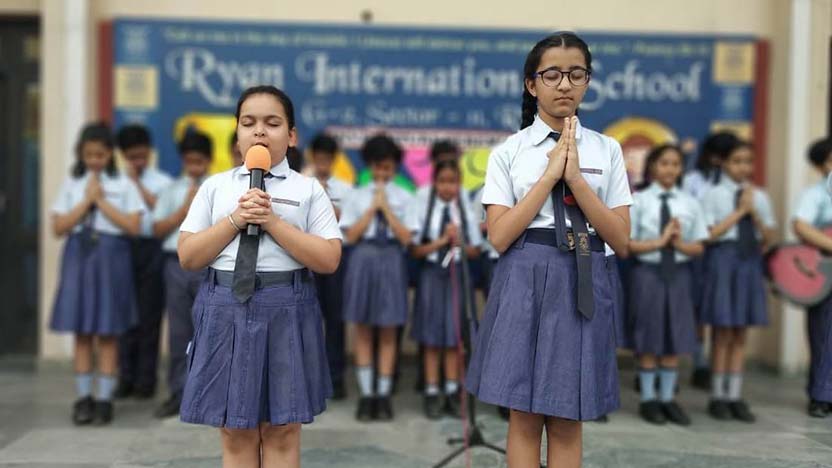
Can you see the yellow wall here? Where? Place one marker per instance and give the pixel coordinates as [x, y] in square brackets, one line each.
[768, 19]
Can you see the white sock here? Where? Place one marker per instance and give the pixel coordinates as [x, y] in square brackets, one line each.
[451, 387]
[718, 386]
[365, 380]
[431, 389]
[385, 384]
[734, 387]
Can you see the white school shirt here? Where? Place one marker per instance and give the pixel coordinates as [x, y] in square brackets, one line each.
[645, 219]
[720, 202]
[518, 163]
[337, 191]
[697, 185]
[814, 206]
[297, 199]
[434, 227]
[170, 200]
[401, 202]
[154, 181]
[479, 211]
[119, 191]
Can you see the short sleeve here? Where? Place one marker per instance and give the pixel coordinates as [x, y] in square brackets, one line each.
[199, 214]
[133, 201]
[411, 214]
[472, 217]
[498, 188]
[63, 202]
[635, 217]
[164, 205]
[698, 230]
[321, 219]
[350, 209]
[765, 210]
[808, 206]
[618, 187]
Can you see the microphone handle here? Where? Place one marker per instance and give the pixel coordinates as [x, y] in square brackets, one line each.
[255, 181]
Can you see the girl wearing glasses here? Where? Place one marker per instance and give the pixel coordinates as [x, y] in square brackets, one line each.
[557, 208]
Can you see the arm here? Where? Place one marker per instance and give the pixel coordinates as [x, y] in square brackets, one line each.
[812, 235]
[611, 224]
[720, 228]
[355, 232]
[402, 233]
[421, 251]
[63, 223]
[197, 250]
[163, 227]
[130, 223]
[147, 196]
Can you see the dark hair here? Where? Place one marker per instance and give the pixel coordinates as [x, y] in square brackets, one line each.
[653, 156]
[295, 158]
[323, 143]
[233, 138]
[96, 131]
[131, 136]
[443, 147]
[560, 39]
[820, 151]
[446, 164]
[194, 140]
[281, 97]
[380, 148]
[718, 144]
[738, 144]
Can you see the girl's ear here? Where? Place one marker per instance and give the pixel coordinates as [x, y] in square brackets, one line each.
[530, 86]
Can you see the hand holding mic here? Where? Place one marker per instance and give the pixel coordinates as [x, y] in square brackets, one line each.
[258, 162]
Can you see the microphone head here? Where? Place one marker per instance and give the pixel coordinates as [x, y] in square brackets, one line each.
[257, 157]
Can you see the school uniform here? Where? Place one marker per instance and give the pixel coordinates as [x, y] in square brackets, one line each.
[375, 281]
[542, 347]
[96, 264]
[435, 322]
[262, 360]
[139, 347]
[696, 183]
[660, 296]
[734, 292]
[815, 207]
[181, 287]
[330, 295]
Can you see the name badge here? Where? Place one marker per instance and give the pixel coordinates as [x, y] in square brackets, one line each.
[285, 201]
[590, 170]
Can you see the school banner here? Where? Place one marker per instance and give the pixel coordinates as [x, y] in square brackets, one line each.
[419, 85]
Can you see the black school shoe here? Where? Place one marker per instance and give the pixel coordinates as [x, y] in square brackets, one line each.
[701, 378]
[169, 408]
[83, 411]
[651, 411]
[719, 409]
[103, 412]
[432, 407]
[741, 412]
[675, 413]
[366, 409]
[384, 409]
[453, 405]
[818, 409]
[124, 389]
[144, 393]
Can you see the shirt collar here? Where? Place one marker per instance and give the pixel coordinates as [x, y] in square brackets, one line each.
[540, 131]
[657, 189]
[281, 170]
[729, 183]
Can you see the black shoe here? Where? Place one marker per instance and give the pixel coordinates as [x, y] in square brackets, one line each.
[384, 409]
[504, 413]
[169, 408]
[741, 412]
[675, 414]
[144, 393]
[339, 391]
[603, 419]
[124, 389]
[453, 405]
[701, 378]
[83, 411]
[103, 412]
[651, 411]
[366, 409]
[720, 410]
[432, 407]
[818, 409]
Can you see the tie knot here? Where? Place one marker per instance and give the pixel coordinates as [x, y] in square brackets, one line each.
[555, 136]
[665, 196]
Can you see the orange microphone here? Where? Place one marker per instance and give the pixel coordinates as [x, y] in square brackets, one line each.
[258, 162]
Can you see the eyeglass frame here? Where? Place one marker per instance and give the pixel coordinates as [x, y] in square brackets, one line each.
[564, 73]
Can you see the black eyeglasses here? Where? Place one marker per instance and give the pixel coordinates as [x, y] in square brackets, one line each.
[552, 77]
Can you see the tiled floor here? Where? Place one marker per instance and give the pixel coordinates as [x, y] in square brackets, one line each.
[35, 431]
